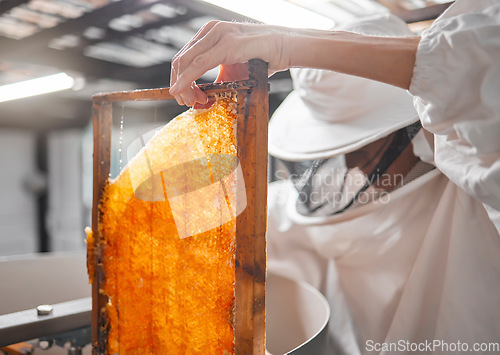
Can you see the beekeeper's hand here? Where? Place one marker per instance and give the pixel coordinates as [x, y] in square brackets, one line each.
[230, 45]
[386, 59]
[231, 72]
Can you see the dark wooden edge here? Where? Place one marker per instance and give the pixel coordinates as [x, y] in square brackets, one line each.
[164, 94]
[251, 224]
[102, 122]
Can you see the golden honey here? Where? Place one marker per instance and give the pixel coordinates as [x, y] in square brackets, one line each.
[167, 294]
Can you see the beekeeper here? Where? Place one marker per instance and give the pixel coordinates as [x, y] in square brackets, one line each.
[397, 226]
[405, 257]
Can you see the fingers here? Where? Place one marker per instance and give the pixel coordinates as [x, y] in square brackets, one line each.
[200, 43]
[196, 67]
[200, 34]
[191, 96]
[194, 94]
[222, 43]
[202, 54]
[233, 68]
[207, 105]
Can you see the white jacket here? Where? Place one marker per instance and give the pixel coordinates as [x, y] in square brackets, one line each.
[421, 271]
[456, 88]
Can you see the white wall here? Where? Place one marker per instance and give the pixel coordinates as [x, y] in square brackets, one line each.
[65, 212]
[18, 210]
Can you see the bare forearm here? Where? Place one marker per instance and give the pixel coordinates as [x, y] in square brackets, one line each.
[386, 59]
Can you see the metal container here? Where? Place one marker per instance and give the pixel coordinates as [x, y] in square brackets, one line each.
[296, 317]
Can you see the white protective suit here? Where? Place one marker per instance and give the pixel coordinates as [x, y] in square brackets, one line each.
[420, 272]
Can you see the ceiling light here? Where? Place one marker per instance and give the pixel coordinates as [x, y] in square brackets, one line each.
[278, 12]
[38, 86]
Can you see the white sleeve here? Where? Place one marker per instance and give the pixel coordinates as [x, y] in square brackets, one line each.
[456, 88]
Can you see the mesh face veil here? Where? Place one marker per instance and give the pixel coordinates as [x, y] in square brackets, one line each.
[333, 185]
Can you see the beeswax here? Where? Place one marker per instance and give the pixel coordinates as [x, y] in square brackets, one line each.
[167, 294]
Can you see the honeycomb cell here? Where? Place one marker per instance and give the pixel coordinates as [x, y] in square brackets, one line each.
[166, 294]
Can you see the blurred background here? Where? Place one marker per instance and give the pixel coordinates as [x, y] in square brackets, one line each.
[81, 47]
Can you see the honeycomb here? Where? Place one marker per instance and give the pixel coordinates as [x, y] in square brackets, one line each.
[169, 293]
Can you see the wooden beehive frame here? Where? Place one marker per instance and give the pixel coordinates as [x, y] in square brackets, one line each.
[250, 259]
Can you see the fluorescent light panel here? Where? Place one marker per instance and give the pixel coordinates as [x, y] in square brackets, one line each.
[276, 12]
[38, 86]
